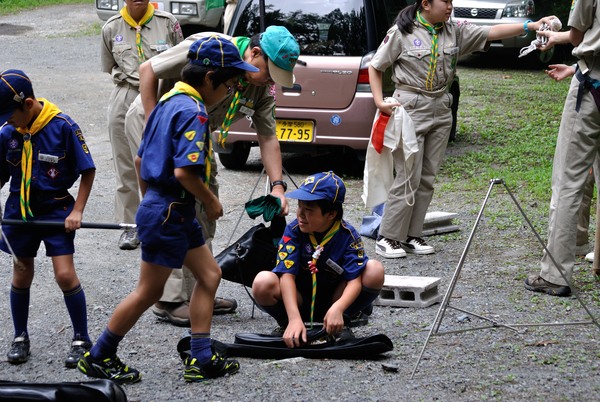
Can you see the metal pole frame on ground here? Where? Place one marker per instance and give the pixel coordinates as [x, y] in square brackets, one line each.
[434, 331]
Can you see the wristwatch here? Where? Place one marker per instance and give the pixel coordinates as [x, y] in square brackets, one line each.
[279, 183]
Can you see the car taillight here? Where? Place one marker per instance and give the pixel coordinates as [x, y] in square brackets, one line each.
[363, 76]
[363, 84]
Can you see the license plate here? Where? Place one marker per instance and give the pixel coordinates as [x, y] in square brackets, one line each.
[294, 130]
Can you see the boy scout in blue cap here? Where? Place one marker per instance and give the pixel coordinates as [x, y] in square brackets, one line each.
[275, 53]
[42, 153]
[319, 249]
[173, 162]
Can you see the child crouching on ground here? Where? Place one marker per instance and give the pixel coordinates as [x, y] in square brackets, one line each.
[173, 163]
[318, 246]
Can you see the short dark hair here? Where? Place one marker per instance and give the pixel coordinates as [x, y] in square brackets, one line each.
[255, 42]
[194, 74]
[327, 206]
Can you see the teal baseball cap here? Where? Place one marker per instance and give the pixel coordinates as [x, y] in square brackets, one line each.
[217, 51]
[283, 52]
[320, 186]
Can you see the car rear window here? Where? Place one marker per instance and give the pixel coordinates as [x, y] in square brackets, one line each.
[324, 28]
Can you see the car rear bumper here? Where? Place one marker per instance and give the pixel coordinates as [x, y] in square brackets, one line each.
[343, 127]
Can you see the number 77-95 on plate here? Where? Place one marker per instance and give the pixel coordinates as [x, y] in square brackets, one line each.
[295, 130]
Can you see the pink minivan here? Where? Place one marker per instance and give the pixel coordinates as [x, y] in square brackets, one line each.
[330, 105]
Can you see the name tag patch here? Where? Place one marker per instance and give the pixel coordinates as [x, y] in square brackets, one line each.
[48, 158]
[331, 264]
[247, 111]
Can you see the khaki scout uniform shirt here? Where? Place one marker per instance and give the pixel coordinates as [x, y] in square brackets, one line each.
[258, 103]
[585, 17]
[118, 54]
[410, 54]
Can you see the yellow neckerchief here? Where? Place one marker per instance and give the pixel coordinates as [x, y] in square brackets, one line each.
[186, 89]
[318, 247]
[137, 25]
[49, 111]
[242, 44]
[433, 30]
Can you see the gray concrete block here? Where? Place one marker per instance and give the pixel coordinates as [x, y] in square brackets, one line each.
[409, 291]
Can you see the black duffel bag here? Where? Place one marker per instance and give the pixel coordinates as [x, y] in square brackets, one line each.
[96, 390]
[255, 251]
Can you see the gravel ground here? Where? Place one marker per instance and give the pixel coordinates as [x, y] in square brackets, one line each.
[55, 47]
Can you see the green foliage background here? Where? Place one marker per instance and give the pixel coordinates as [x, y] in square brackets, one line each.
[11, 6]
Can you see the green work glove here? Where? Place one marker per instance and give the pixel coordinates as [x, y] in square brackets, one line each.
[268, 206]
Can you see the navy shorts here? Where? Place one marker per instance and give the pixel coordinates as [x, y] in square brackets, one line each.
[167, 228]
[25, 241]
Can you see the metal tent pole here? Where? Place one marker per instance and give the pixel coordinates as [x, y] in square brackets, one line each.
[445, 302]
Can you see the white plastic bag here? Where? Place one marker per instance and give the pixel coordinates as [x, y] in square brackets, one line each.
[379, 167]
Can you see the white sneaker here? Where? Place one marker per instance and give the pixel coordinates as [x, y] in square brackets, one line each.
[416, 245]
[589, 257]
[129, 240]
[389, 248]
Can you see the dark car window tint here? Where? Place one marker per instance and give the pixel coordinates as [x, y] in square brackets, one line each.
[324, 28]
[321, 28]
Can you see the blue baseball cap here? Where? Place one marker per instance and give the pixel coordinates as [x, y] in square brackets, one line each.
[217, 52]
[283, 52]
[320, 186]
[15, 87]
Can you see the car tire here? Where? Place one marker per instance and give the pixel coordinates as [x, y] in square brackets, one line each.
[237, 158]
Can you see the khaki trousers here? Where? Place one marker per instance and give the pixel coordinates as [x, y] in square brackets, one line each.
[583, 220]
[576, 150]
[127, 195]
[407, 205]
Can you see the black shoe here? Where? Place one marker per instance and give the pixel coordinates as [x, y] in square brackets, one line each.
[345, 335]
[368, 310]
[78, 349]
[358, 320]
[361, 318]
[111, 368]
[217, 367]
[19, 350]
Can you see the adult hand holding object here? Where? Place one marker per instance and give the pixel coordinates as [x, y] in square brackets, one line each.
[540, 40]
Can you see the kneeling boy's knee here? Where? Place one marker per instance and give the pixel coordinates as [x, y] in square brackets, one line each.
[265, 284]
[374, 275]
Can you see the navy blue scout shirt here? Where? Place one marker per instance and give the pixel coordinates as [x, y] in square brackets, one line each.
[175, 137]
[60, 154]
[343, 257]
